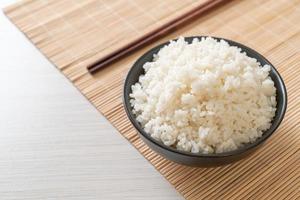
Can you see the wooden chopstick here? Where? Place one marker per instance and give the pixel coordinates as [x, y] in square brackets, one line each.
[152, 35]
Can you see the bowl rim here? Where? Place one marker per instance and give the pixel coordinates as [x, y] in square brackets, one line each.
[240, 150]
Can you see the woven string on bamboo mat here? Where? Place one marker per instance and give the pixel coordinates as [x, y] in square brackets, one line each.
[72, 34]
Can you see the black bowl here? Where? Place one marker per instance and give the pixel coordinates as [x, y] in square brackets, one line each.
[204, 160]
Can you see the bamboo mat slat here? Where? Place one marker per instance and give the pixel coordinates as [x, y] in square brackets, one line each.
[73, 33]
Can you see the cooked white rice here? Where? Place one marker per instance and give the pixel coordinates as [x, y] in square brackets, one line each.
[206, 97]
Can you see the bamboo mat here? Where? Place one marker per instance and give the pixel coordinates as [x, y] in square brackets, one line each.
[74, 33]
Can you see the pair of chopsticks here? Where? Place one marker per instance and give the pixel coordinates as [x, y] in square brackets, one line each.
[152, 36]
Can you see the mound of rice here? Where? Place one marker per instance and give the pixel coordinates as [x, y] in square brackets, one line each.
[204, 97]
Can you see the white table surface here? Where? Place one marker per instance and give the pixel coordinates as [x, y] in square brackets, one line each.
[53, 143]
